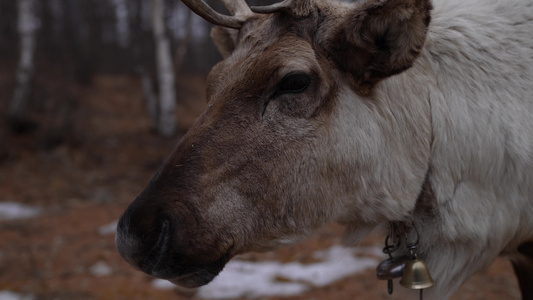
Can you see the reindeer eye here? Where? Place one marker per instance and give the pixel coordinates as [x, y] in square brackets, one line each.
[293, 84]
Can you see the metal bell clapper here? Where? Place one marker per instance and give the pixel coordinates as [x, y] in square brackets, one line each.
[391, 268]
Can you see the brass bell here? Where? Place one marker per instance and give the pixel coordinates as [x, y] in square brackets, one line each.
[416, 275]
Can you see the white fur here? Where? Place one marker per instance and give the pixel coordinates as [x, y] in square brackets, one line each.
[472, 90]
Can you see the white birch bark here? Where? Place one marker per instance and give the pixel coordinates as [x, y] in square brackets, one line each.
[165, 72]
[181, 51]
[122, 22]
[27, 25]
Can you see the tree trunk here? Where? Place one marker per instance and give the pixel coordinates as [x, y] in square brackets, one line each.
[122, 22]
[149, 97]
[27, 25]
[181, 51]
[165, 72]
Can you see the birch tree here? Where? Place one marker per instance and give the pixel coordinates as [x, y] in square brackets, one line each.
[181, 50]
[27, 25]
[165, 72]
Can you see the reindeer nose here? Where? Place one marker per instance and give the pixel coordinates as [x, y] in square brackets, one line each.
[162, 237]
[143, 243]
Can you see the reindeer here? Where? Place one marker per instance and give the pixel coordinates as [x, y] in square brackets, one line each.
[366, 113]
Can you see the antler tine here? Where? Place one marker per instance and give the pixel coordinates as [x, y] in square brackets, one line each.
[297, 8]
[240, 10]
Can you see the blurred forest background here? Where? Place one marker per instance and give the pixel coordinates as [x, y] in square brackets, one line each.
[44, 42]
[94, 94]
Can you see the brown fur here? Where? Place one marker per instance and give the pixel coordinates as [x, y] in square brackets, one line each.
[380, 39]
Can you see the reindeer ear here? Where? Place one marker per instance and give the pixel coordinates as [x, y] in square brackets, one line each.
[380, 38]
[225, 39]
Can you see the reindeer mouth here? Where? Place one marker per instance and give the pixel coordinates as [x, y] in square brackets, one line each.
[182, 274]
[169, 266]
[196, 279]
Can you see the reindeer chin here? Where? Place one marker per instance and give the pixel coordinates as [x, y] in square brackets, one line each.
[194, 280]
[190, 276]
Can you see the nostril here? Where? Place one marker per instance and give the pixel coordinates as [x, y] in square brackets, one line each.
[143, 246]
[159, 249]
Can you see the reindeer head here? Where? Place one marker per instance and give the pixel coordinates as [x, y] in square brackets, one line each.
[298, 132]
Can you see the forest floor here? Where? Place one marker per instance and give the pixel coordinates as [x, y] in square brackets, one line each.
[85, 181]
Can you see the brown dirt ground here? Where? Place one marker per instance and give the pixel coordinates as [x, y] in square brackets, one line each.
[88, 181]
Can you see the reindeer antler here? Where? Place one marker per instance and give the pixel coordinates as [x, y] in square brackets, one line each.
[297, 8]
[240, 10]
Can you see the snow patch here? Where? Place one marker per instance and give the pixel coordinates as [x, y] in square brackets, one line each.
[8, 295]
[100, 269]
[14, 210]
[241, 279]
[162, 284]
[110, 228]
